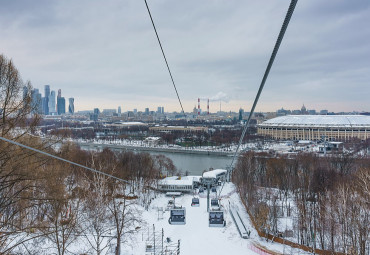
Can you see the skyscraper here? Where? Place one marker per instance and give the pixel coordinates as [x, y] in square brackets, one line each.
[45, 105]
[71, 107]
[47, 90]
[25, 94]
[52, 103]
[45, 100]
[61, 103]
[36, 103]
[119, 110]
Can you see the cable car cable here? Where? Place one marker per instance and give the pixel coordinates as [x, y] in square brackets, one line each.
[165, 59]
[271, 61]
[62, 159]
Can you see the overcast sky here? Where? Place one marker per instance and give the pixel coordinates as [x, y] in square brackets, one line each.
[105, 53]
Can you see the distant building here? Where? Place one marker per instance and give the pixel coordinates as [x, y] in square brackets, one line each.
[241, 112]
[178, 128]
[146, 111]
[47, 91]
[130, 114]
[119, 110]
[45, 105]
[45, 100]
[314, 127]
[304, 110]
[25, 95]
[52, 103]
[282, 112]
[95, 115]
[61, 105]
[109, 112]
[162, 110]
[71, 107]
[324, 112]
[36, 103]
[311, 112]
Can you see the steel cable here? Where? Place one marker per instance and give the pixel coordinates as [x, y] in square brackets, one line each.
[165, 59]
[272, 58]
[61, 159]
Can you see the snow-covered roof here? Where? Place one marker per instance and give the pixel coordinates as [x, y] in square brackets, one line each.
[318, 121]
[214, 173]
[175, 180]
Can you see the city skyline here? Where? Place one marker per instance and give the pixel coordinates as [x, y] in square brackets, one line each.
[215, 50]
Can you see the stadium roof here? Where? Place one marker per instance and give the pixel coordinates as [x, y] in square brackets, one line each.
[346, 121]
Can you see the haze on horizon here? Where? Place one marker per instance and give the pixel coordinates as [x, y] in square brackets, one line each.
[105, 53]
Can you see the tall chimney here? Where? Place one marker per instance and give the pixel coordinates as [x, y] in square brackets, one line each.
[208, 106]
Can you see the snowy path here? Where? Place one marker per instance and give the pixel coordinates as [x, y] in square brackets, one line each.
[196, 236]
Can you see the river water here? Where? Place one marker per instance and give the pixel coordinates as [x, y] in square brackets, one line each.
[195, 164]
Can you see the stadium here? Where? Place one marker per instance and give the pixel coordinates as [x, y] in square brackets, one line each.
[314, 127]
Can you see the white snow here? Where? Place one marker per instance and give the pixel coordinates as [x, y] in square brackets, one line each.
[319, 121]
[196, 237]
[214, 173]
[175, 180]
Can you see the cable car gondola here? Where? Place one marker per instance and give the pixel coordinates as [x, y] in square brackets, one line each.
[177, 216]
[195, 202]
[216, 219]
[215, 205]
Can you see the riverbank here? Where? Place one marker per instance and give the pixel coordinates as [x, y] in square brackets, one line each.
[99, 146]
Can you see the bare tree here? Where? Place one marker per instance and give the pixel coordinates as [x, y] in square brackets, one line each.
[126, 217]
[97, 219]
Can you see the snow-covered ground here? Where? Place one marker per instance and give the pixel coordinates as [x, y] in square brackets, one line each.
[196, 237]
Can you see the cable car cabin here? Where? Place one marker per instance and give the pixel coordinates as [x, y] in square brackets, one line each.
[177, 216]
[215, 204]
[216, 219]
[195, 202]
[213, 189]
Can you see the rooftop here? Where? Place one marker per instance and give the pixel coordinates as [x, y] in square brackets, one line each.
[319, 121]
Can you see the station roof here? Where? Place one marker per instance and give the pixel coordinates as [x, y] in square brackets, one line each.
[213, 173]
[176, 180]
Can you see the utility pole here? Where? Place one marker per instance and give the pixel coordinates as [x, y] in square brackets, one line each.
[162, 240]
[154, 238]
[178, 248]
[208, 187]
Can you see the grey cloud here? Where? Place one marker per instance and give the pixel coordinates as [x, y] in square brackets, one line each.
[108, 49]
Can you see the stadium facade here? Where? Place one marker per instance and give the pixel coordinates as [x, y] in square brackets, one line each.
[314, 127]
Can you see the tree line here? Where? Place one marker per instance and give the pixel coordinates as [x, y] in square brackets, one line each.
[328, 197]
